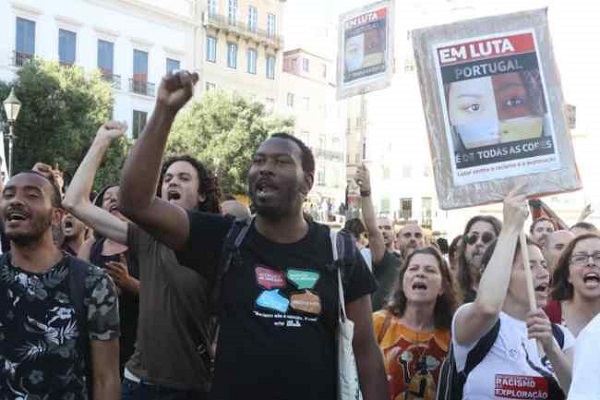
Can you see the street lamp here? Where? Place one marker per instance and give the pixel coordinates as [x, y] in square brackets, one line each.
[12, 106]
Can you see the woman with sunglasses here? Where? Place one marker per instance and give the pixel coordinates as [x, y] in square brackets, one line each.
[413, 330]
[513, 367]
[479, 232]
[576, 282]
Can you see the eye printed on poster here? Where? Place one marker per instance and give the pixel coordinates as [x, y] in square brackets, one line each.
[494, 109]
[365, 55]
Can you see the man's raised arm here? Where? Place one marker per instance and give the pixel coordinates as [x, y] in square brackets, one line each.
[137, 199]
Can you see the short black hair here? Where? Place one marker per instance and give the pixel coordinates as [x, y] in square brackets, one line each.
[585, 225]
[56, 199]
[308, 159]
[355, 227]
[207, 183]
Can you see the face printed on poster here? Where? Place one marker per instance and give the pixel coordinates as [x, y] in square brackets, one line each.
[495, 106]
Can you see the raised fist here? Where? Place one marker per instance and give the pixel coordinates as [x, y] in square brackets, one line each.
[176, 89]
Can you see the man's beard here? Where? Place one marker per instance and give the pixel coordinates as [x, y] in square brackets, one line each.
[276, 212]
[39, 228]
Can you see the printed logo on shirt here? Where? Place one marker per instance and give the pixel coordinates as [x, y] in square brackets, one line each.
[520, 387]
[306, 302]
[273, 300]
[269, 278]
[303, 279]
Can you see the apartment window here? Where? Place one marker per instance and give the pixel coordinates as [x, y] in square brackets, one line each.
[106, 57]
[290, 100]
[270, 67]
[172, 65]
[384, 206]
[232, 49]
[252, 18]
[386, 172]
[210, 86]
[211, 48]
[305, 65]
[406, 208]
[140, 66]
[232, 10]
[271, 25]
[426, 214]
[321, 177]
[25, 41]
[67, 44]
[406, 171]
[213, 7]
[139, 122]
[251, 60]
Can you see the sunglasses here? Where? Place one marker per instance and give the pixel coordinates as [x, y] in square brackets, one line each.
[486, 237]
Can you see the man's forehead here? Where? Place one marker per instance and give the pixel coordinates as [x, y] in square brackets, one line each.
[384, 221]
[279, 146]
[413, 228]
[561, 236]
[32, 180]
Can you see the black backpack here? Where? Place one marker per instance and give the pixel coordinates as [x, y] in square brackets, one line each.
[451, 382]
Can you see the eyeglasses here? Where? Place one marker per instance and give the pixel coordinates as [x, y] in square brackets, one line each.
[486, 237]
[582, 258]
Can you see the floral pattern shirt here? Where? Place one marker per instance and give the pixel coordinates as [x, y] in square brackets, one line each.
[40, 358]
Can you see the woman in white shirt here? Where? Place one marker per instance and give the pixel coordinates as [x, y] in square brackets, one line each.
[512, 368]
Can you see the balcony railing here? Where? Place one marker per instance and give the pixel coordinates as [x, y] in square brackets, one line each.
[142, 87]
[329, 155]
[114, 80]
[218, 21]
[20, 58]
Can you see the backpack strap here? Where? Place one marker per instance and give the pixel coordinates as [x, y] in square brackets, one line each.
[78, 271]
[559, 335]
[231, 246]
[481, 349]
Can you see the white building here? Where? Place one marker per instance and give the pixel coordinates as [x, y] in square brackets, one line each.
[310, 97]
[133, 42]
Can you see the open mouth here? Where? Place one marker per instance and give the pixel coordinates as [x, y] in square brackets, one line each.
[114, 209]
[16, 215]
[264, 189]
[173, 195]
[591, 278]
[419, 286]
[542, 288]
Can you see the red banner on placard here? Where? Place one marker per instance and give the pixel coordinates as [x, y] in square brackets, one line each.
[486, 49]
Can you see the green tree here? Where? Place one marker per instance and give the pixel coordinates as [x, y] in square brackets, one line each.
[61, 112]
[223, 131]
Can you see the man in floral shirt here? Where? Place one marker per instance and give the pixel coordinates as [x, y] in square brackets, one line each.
[42, 354]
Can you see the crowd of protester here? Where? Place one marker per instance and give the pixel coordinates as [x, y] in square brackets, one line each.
[161, 287]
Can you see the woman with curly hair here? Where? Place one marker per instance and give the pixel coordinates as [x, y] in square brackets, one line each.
[413, 330]
[576, 283]
[174, 335]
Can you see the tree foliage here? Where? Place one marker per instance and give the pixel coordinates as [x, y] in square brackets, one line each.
[62, 108]
[223, 131]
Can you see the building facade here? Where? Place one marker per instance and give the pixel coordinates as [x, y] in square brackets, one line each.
[133, 43]
[307, 92]
[242, 47]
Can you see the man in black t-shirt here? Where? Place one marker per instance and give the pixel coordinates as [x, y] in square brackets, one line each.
[279, 299]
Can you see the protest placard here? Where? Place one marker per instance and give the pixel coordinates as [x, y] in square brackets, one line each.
[365, 55]
[494, 108]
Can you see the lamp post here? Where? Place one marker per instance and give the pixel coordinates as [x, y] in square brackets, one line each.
[12, 106]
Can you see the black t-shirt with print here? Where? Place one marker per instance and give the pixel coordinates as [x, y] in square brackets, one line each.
[39, 353]
[279, 312]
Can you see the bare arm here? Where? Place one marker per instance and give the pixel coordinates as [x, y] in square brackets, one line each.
[105, 367]
[477, 318]
[376, 243]
[77, 199]
[369, 361]
[86, 249]
[138, 202]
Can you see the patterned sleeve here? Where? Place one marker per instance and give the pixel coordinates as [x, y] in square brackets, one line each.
[102, 305]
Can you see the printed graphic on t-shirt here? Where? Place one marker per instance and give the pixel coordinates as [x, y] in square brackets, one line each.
[273, 300]
[520, 387]
[292, 307]
[303, 279]
[307, 302]
[269, 278]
